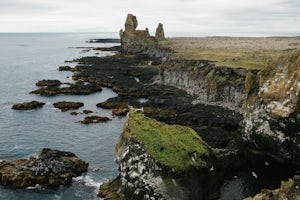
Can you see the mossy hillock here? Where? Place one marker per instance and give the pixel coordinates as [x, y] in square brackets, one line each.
[174, 147]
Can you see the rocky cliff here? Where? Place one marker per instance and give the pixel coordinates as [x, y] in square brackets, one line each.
[209, 84]
[271, 108]
[159, 161]
[136, 41]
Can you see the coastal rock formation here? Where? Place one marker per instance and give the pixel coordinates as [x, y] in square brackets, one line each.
[160, 34]
[136, 41]
[54, 87]
[288, 190]
[156, 159]
[67, 105]
[51, 168]
[94, 119]
[28, 105]
[271, 117]
[222, 86]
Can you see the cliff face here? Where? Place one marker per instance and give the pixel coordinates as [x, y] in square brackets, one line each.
[271, 117]
[207, 83]
[160, 161]
[136, 41]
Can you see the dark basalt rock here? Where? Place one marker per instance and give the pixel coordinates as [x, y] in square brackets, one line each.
[49, 83]
[65, 68]
[107, 40]
[52, 168]
[133, 77]
[28, 105]
[78, 88]
[67, 105]
[114, 48]
[87, 111]
[94, 119]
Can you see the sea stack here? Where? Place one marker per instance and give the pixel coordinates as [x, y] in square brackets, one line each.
[137, 41]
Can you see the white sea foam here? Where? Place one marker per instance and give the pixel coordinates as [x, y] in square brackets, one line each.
[88, 181]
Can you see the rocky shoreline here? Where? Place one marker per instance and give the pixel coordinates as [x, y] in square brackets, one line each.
[242, 115]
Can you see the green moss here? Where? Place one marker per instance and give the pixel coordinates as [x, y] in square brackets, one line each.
[175, 148]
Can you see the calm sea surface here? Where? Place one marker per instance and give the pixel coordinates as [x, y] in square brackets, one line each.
[26, 59]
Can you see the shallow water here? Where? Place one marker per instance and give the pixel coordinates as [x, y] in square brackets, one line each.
[26, 59]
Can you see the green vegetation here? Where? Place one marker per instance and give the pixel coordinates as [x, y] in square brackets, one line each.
[229, 56]
[176, 148]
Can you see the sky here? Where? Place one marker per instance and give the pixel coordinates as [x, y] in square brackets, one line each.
[197, 16]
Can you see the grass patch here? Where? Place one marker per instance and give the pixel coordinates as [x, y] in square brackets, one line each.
[229, 56]
[176, 148]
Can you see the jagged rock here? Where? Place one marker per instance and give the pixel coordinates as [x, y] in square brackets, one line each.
[28, 105]
[94, 119]
[134, 41]
[67, 105]
[271, 108]
[160, 34]
[51, 168]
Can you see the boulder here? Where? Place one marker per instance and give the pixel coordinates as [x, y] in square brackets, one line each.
[94, 119]
[52, 168]
[28, 105]
[67, 105]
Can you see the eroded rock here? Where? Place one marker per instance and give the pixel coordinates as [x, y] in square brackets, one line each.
[51, 168]
[94, 119]
[67, 105]
[28, 105]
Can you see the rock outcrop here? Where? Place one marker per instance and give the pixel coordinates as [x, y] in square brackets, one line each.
[51, 168]
[136, 41]
[160, 33]
[28, 105]
[222, 86]
[272, 105]
[289, 190]
[67, 105]
[94, 119]
[55, 87]
[159, 161]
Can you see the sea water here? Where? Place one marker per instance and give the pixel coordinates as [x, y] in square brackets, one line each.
[26, 58]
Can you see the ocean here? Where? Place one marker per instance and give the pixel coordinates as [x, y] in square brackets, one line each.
[27, 58]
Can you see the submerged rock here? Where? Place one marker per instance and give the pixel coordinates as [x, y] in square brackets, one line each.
[67, 105]
[28, 105]
[94, 119]
[51, 168]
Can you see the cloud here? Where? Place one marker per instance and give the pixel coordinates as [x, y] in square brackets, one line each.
[214, 16]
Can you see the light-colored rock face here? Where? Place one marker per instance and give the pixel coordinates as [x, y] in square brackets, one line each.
[272, 110]
[206, 88]
[130, 24]
[280, 92]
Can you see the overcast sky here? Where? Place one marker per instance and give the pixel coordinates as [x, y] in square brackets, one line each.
[203, 16]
